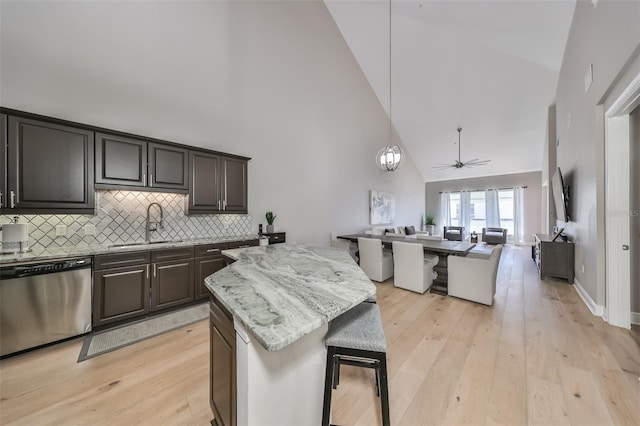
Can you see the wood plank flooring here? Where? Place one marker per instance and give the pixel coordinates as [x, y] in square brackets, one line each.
[536, 357]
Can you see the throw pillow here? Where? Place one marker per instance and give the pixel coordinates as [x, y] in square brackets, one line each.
[389, 231]
[410, 230]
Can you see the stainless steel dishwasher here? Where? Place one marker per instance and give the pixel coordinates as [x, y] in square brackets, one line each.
[43, 302]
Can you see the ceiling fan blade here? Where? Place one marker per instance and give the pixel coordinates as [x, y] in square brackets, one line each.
[479, 162]
[443, 166]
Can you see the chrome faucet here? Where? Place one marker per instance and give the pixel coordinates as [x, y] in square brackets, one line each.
[153, 225]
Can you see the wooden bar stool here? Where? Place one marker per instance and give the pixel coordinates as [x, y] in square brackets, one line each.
[357, 338]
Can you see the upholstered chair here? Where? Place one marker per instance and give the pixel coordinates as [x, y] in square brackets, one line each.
[375, 262]
[350, 247]
[473, 278]
[454, 233]
[494, 235]
[412, 268]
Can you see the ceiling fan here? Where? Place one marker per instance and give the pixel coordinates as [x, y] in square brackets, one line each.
[459, 164]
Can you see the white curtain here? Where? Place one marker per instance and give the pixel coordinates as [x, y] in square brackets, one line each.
[492, 208]
[445, 212]
[518, 215]
[465, 210]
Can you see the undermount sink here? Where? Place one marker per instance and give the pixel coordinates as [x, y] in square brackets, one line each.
[127, 245]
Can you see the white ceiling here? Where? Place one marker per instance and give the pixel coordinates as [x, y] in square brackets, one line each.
[490, 67]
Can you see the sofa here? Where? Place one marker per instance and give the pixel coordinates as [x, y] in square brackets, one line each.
[494, 235]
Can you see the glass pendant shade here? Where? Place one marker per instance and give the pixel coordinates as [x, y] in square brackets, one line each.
[389, 158]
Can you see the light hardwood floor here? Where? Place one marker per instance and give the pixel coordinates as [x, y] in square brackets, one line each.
[537, 356]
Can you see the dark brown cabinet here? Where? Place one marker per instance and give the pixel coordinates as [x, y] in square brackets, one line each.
[244, 243]
[138, 164]
[208, 260]
[48, 167]
[172, 282]
[204, 183]
[122, 292]
[275, 237]
[554, 258]
[234, 185]
[222, 356]
[217, 183]
[3, 161]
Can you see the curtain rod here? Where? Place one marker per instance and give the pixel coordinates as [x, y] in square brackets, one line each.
[490, 189]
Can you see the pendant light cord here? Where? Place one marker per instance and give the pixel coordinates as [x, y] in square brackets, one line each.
[390, 78]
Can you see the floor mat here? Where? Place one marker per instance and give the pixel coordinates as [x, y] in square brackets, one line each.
[109, 340]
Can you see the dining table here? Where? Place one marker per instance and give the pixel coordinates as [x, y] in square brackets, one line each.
[442, 248]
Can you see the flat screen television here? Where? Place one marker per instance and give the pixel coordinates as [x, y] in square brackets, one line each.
[560, 196]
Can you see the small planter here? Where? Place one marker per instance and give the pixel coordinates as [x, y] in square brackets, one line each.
[431, 229]
[269, 229]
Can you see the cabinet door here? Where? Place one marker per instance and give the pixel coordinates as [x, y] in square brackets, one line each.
[204, 179]
[50, 167]
[172, 284]
[3, 161]
[120, 160]
[234, 185]
[168, 167]
[205, 267]
[222, 357]
[120, 293]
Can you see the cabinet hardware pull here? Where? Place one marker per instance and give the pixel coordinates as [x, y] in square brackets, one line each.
[219, 205]
[212, 250]
[144, 179]
[13, 199]
[1, 195]
[154, 269]
[224, 205]
[150, 180]
[147, 268]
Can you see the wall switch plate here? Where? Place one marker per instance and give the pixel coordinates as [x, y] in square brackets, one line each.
[89, 229]
[583, 268]
[61, 230]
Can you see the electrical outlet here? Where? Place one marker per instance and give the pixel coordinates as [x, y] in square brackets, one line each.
[61, 230]
[89, 229]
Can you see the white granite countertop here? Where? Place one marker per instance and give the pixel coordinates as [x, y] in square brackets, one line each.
[282, 292]
[74, 251]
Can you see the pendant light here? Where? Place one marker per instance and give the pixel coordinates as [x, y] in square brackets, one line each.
[389, 158]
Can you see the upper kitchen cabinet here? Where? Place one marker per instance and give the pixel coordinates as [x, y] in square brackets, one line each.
[234, 185]
[48, 167]
[123, 162]
[3, 161]
[217, 183]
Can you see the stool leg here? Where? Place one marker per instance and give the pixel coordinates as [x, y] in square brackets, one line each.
[384, 391]
[328, 386]
[336, 371]
[377, 379]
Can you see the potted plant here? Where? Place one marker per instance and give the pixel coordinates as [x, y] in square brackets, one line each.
[270, 218]
[430, 224]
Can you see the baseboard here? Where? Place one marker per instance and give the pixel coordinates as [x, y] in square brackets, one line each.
[597, 310]
[635, 318]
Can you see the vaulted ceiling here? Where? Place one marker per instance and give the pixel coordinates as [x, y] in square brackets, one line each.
[490, 67]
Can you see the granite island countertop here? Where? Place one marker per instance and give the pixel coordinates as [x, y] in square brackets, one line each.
[52, 253]
[280, 293]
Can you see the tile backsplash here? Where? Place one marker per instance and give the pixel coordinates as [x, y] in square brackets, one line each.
[120, 218]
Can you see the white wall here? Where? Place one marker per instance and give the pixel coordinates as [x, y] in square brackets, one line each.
[271, 80]
[532, 195]
[608, 37]
[634, 169]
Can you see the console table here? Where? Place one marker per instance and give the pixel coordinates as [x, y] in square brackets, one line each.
[554, 258]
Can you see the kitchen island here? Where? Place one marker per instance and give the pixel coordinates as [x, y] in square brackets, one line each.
[281, 299]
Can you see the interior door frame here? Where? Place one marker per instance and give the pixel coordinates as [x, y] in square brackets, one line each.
[617, 199]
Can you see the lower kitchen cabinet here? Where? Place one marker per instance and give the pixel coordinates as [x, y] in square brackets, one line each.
[120, 294]
[208, 260]
[222, 357]
[172, 284]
